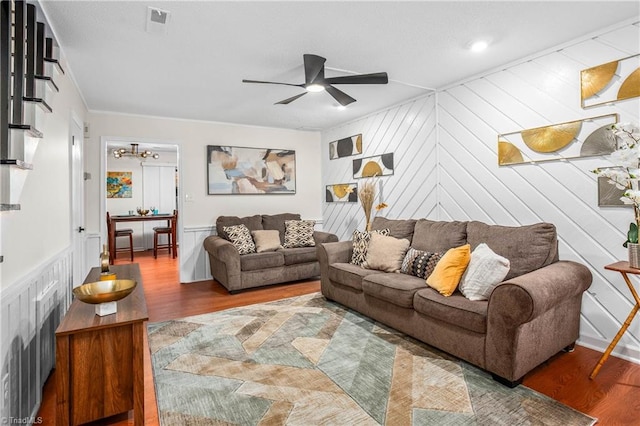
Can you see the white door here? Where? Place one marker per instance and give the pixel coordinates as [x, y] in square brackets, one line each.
[159, 191]
[77, 204]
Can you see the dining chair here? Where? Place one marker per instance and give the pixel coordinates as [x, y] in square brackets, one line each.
[120, 233]
[169, 231]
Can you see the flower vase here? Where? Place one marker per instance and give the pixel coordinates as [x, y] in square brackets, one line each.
[367, 227]
[634, 255]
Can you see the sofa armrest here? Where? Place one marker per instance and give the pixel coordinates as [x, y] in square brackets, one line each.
[523, 298]
[324, 237]
[334, 252]
[534, 316]
[224, 261]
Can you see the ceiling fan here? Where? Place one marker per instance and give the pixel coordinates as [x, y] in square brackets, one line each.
[316, 82]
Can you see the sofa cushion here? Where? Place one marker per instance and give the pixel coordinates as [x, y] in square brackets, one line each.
[266, 240]
[438, 236]
[276, 222]
[449, 270]
[485, 271]
[255, 261]
[419, 263]
[294, 256]
[349, 275]
[527, 247]
[456, 309]
[398, 228]
[240, 237]
[385, 253]
[397, 289]
[361, 241]
[251, 222]
[299, 233]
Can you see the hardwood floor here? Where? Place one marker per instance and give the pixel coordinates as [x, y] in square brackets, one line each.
[613, 397]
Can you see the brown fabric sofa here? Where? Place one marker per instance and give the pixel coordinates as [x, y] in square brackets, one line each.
[237, 272]
[532, 315]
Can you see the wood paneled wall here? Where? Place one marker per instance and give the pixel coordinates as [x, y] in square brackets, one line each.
[446, 167]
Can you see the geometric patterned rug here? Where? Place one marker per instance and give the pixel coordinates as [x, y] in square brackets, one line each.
[309, 361]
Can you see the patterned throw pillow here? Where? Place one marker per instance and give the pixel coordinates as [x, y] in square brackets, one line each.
[240, 237]
[361, 241]
[299, 233]
[419, 263]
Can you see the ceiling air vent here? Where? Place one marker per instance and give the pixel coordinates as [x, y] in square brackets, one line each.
[157, 20]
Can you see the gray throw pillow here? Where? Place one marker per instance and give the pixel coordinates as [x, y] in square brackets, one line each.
[361, 243]
[240, 237]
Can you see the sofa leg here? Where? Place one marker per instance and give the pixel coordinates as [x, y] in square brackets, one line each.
[570, 348]
[507, 383]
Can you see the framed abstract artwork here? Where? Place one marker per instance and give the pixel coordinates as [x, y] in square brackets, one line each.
[378, 165]
[119, 185]
[580, 138]
[342, 193]
[242, 170]
[608, 194]
[345, 147]
[610, 82]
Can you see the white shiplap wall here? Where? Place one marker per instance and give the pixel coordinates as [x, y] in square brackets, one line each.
[409, 131]
[452, 173]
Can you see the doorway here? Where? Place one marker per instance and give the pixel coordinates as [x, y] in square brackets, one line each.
[151, 169]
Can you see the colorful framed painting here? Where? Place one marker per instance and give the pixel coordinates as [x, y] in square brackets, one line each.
[342, 193]
[610, 82]
[378, 165]
[119, 185]
[241, 170]
[345, 147]
[581, 138]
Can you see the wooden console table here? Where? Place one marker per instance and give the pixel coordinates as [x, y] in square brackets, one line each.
[99, 360]
[624, 269]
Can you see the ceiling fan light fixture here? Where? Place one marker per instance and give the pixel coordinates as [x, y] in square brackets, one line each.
[315, 87]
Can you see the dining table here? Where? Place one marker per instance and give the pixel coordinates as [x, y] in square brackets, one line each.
[169, 217]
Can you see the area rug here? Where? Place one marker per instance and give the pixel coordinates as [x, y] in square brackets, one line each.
[309, 361]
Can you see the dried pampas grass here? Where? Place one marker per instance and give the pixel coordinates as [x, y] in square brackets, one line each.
[367, 194]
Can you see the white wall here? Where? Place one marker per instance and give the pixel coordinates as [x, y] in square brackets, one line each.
[537, 91]
[41, 228]
[409, 131]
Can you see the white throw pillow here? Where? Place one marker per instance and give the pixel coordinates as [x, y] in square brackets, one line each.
[385, 253]
[485, 271]
[267, 240]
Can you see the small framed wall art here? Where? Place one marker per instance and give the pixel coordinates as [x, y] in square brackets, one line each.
[119, 184]
[345, 147]
[342, 193]
[581, 138]
[242, 170]
[377, 165]
[610, 82]
[608, 194]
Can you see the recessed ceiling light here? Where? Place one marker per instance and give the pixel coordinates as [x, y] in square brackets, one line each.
[341, 107]
[478, 46]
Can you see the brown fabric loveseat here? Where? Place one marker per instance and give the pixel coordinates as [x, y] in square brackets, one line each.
[237, 272]
[530, 316]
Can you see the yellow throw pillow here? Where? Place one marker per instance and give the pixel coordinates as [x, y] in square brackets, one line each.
[449, 270]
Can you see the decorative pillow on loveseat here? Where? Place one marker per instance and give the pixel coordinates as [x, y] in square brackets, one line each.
[240, 237]
[485, 271]
[385, 253]
[361, 243]
[266, 240]
[299, 233]
[419, 263]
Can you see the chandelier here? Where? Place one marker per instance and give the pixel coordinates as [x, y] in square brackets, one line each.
[121, 152]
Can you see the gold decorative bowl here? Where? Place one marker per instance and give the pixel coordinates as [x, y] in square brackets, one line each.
[143, 212]
[104, 291]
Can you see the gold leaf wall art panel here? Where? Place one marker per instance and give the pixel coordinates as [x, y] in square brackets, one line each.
[572, 139]
[551, 138]
[342, 193]
[610, 82]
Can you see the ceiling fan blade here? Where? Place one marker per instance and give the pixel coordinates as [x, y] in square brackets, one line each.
[313, 68]
[291, 99]
[272, 82]
[375, 78]
[342, 98]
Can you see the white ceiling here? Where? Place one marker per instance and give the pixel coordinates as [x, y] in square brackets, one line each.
[195, 70]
